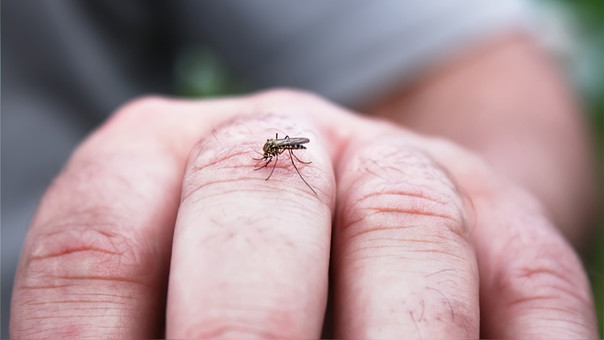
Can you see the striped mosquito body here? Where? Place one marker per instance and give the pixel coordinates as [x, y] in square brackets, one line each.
[274, 147]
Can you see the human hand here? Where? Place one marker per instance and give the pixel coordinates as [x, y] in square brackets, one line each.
[425, 240]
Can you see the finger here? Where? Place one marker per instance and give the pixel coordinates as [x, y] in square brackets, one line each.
[403, 262]
[532, 284]
[96, 257]
[251, 255]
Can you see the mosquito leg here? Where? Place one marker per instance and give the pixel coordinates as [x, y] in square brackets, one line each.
[261, 154]
[298, 159]
[298, 171]
[274, 165]
[265, 164]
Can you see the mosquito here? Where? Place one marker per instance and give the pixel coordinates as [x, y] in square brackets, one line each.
[275, 147]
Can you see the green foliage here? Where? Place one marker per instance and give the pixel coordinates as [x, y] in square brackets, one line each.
[199, 72]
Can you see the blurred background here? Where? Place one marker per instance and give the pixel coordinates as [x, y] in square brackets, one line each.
[572, 30]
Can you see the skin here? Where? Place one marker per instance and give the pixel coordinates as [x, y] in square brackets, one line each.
[506, 100]
[408, 236]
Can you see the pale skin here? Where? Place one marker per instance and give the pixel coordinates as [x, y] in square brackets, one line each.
[159, 215]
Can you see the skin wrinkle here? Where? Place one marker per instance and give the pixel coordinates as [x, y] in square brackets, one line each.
[561, 331]
[78, 285]
[565, 320]
[452, 225]
[60, 310]
[420, 194]
[364, 250]
[100, 219]
[373, 257]
[552, 274]
[401, 239]
[44, 287]
[378, 228]
[539, 299]
[409, 193]
[379, 210]
[103, 278]
[289, 188]
[113, 265]
[556, 288]
[413, 192]
[74, 316]
[212, 331]
[51, 330]
[79, 315]
[72, 251]
[69, 239]
[77, 301]
[404, 243]
[78, 240]
[126, 297]
[414, 212]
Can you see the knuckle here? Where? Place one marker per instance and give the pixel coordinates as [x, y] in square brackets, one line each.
[79, 269]
[402, 191]
[405, 207]
[398, 223]
[539, 268]
[228, 159]
[78, 252]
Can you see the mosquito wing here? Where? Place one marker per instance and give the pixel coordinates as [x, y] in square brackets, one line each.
[288, 142]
